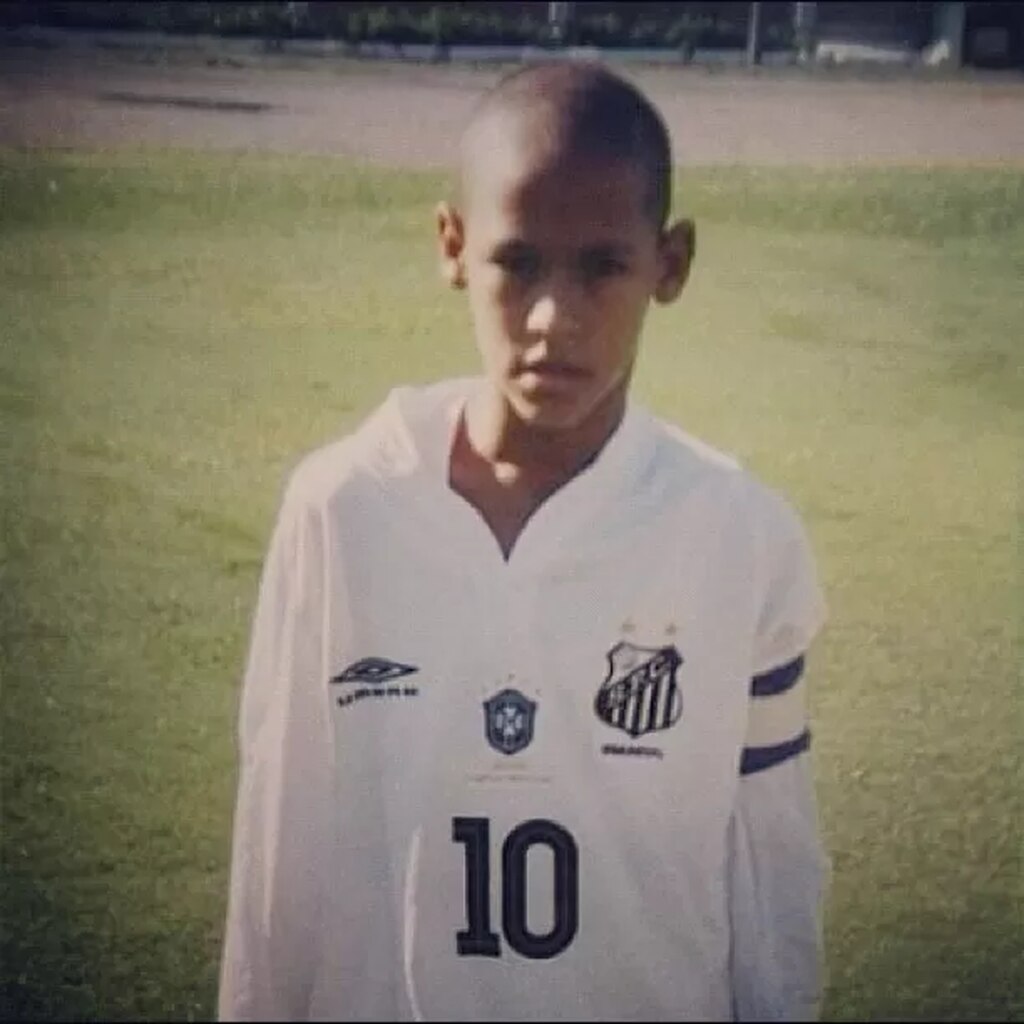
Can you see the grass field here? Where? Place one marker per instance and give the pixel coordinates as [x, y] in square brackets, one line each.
[178, 327]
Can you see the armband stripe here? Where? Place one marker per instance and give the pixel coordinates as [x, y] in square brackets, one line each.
[757, 759]
[777, 719]
[780, 679]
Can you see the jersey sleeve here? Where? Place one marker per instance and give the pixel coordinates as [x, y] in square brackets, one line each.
[791, 614]
[282, 811]
[777, 877]
[793, 605]
[777, 864]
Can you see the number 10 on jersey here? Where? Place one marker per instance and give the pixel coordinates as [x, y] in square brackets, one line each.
[478, 939]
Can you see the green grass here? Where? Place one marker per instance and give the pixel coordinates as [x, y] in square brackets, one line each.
[178, 328]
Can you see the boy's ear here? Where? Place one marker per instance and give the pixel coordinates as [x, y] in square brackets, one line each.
[451, 238]
[677, 247]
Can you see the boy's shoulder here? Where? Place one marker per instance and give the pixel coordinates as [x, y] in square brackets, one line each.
[695, 465]
[767, 539]
[693, 454]
[393, 445]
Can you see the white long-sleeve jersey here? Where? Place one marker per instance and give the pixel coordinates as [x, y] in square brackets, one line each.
[569, 785]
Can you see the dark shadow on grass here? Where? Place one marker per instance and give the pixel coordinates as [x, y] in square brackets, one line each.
[191, 102]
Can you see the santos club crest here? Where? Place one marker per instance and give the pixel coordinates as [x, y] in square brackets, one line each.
[641, 693]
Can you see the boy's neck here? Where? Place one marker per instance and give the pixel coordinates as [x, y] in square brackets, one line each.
[519, 455]
[506, 470]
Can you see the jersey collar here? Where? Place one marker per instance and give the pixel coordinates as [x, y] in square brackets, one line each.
[575, 511]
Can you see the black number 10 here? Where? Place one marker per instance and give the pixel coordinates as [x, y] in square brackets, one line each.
[478, 939]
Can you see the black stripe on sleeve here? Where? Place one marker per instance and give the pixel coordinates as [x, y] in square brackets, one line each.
[757, 759]
[778, 680]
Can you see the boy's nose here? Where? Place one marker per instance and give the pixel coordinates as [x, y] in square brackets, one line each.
[553, 314]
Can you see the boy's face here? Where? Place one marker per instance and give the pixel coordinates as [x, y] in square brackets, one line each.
[561, 261]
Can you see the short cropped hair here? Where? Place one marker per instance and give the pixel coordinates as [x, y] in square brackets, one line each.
[596, 114]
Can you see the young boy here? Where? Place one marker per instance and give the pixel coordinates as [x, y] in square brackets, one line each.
[523, 732]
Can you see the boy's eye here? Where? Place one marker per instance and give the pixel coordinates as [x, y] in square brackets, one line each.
[598, 265]
[518, 262]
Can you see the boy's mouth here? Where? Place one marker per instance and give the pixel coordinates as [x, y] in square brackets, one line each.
[555, 370]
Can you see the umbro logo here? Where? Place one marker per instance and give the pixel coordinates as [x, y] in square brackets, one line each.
[374, 670]
[378, 677]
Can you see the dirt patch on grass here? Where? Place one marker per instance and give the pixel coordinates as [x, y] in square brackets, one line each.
[411, 115]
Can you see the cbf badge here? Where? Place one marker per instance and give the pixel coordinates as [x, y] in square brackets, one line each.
[641, 693]
[508, 721]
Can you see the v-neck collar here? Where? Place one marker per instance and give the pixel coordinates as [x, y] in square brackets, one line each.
[563, 515]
